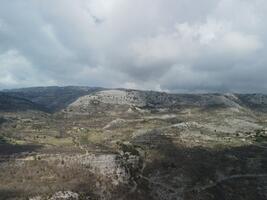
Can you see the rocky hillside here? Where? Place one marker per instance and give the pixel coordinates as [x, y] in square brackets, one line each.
[130, 144]
[151, 99]
[254, 101]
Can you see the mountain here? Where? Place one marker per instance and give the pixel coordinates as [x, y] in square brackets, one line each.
[12, 103]
[57, 98]
[53, 98]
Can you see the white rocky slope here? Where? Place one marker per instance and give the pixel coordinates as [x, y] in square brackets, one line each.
[112, 97]
[156, 99]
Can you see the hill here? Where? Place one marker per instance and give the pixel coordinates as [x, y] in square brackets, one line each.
[10, 103]
[53, 98]
[94, 143]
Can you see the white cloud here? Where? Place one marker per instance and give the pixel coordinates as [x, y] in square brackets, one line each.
[187, 43]
[154, 44]
[16, 70]
[239, 43]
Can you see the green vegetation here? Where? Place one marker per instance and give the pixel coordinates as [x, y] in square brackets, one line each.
[67, 141]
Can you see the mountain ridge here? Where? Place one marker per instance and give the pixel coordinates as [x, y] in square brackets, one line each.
[55, 98]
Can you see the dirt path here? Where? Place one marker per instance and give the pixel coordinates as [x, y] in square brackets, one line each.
[76, 141]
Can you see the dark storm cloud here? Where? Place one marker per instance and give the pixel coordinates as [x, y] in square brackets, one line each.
[175, 45]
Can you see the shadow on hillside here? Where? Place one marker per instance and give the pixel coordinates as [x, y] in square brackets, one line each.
[201, 173]
[8, 150]
[2, 120]
[9, 103]
[10, 194]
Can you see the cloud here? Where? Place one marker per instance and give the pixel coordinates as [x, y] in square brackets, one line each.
[173, 45]
[17, 70]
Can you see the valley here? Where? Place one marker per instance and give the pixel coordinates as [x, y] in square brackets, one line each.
[96, 143]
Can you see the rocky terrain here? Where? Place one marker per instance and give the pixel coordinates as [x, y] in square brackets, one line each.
[96, 143]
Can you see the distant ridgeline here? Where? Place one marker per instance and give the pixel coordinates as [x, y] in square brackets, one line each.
[52, 99]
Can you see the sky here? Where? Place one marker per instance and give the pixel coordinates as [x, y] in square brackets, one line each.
[163, 45]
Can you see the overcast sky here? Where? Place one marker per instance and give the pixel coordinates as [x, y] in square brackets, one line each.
[168, 45]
